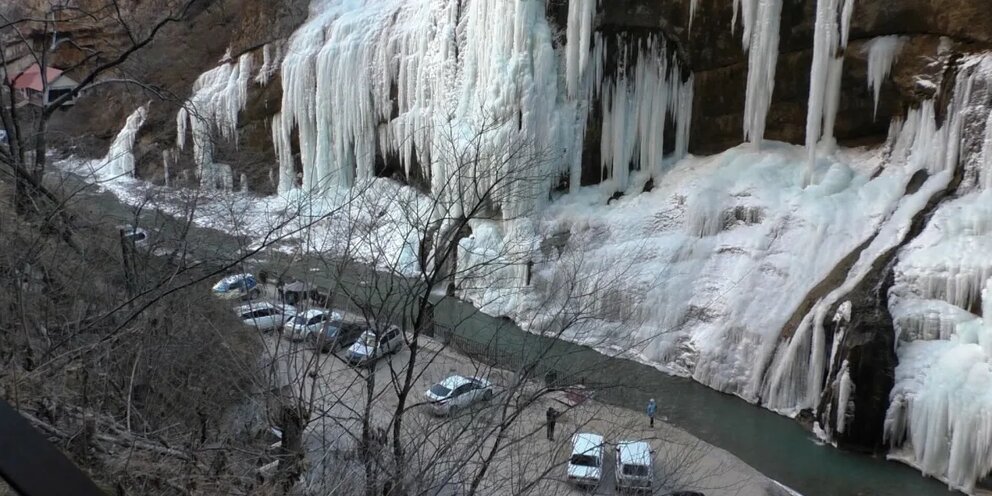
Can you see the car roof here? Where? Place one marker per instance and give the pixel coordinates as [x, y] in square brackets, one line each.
[253, 306]
[455, 381]
[634, 452]
[586, 443]
[236, 277]
[313, 312]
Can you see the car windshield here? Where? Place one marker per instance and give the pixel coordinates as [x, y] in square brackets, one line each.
[300, 320]
[369, 339]
[440, 391]
[635, 470]
[584, 460]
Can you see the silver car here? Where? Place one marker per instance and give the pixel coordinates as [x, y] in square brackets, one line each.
[457, 393]
[373, 345]
[263, 315]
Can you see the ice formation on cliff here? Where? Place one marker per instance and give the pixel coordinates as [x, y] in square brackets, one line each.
[212, 111]
[883, 51]
[421, 80]
[939, 414]
[120, 157]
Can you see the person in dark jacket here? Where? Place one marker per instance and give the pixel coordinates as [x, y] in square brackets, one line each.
[552, 417]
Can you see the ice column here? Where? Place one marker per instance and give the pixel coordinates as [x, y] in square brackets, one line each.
[120, 157]
[829, 41]
[761, 19]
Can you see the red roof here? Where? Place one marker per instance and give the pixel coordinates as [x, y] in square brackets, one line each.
[31, 77]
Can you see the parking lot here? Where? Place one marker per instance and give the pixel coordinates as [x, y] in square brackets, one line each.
[339, 397]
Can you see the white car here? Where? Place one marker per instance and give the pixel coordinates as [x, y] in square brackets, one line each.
[373, 345]
[585, 465]
[237, 286]
[263, 315]
[635, 466]
[312, 324]
[456, 393]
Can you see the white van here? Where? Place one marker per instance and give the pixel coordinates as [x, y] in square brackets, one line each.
[585, 465]
[635, 465]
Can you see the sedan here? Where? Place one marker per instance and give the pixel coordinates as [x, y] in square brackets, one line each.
[456, 393]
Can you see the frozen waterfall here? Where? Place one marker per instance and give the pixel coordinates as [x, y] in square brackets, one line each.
[417, 81]
[939, 414]
[212, 112]
[119, 161]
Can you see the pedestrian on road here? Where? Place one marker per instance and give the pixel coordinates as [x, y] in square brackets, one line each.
[552, 417]
[652, 409]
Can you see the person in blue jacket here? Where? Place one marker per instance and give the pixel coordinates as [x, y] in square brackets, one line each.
[652, 409]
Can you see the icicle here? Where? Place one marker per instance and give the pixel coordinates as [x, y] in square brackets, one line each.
[579, 36]
[882, 53]
[845, 389]
[692, 12]
[761, 20]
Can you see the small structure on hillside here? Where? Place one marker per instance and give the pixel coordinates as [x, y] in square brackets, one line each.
[30, 86]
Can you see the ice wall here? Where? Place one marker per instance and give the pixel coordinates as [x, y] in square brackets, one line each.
[938, 417]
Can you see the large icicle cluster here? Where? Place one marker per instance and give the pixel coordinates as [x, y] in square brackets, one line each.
[761, 20]
[940, 413]
[833, 20]
[636, 105]
[421, 80]
[212, 113]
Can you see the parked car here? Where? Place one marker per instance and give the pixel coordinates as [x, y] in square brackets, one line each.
[635, 466]
[237, 286]
[136, 235]
[264, 316]
[325, 330]
[374, 344]
[456, 393]
[310, 322]
[585, 465]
